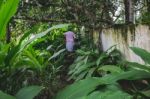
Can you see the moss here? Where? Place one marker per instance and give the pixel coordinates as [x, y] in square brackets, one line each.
[118, 26]
[125, 29]
[132, 31]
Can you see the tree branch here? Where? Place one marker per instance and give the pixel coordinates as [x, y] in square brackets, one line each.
[44, 20]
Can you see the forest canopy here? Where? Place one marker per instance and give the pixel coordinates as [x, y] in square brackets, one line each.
[89, 13]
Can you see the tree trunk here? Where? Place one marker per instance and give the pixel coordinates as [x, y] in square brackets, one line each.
[148, 5]
[129, 11]
[8, 34]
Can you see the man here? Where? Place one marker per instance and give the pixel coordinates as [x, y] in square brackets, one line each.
[70, 36]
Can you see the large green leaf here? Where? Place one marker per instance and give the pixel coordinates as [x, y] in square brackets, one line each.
[5, 96]
[111, 68]
[1, 2]
[39, 35]
[138, 66]
[131, 75]
[146, 93]
[108, 95]
[90, 72]
[3, 52]
[145, 55]
[84, 87]
[26, 62]
[80, 70]
[112, 91]
[7, 10]
[33, 59]
[101, 58]
[82, 52]
[56, 54]
[28, 92]
[29, 32]
[78, 89]
[81, 75]
[115, 95]
[11, 55]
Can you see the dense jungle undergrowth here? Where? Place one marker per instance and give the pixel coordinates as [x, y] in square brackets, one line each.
[34, 63]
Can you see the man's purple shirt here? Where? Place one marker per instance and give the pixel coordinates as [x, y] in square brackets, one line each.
[69, 36]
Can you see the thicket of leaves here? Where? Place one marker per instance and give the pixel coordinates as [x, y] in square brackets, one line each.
[108, 86]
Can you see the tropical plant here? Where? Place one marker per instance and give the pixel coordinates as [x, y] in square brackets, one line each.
[21, 61]
[24, 93]
[7, 10]
[88, 86]
[144, 55]
[28, 62]
[105, 86]
[91, 63]
[16, 50]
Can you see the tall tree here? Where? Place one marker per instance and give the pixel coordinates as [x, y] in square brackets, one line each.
[148, 5]
[129, 11]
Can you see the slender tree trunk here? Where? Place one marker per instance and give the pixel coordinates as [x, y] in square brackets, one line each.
[148, 5]
[106, 15]
[129, 11]
[8, 34]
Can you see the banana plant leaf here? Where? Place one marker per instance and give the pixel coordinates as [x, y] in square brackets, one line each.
[7, 10]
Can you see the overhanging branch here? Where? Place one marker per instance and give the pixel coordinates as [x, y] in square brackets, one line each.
[44, 20]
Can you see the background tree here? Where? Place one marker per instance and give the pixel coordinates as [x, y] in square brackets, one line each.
[93, 14]
[129, 11]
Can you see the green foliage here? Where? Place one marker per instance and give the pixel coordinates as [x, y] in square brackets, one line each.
[108, 95]
[28, 92]
[18, 49]
[5, 96]
[138, 66]
[56, 54]
[111, 68]
[78, 89]
[146, 93]
[7, 10]
[24, 93]
[36, 36]
[89, 63]
[98, 87]
[145, 18]
[23, 62]
[84, 87]
[3, 52]
[1, 2]
[142, 53]
[39, 57]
